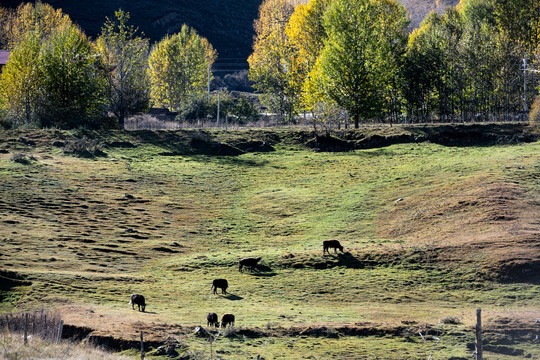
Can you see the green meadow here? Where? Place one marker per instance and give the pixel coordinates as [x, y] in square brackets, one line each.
[431, 232]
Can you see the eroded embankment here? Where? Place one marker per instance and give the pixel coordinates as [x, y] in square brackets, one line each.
[233, 143]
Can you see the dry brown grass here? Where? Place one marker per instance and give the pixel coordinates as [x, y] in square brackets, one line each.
[479, 218]
[12, 348]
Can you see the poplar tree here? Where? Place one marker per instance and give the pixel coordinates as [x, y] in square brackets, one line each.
[178, 68]
[271, 65]
[362, 54]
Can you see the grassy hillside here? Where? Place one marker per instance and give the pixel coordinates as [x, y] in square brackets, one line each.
[431, 232]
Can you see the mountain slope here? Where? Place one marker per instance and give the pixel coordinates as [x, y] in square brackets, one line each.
[228, 25]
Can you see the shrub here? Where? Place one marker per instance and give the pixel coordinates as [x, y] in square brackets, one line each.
[194, 109]
[229, 332]
[84, 147]
[238, 107]
[534, 113]
[23, 159]
[451, 320]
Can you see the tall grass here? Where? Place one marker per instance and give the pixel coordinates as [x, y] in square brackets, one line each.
[12, 348]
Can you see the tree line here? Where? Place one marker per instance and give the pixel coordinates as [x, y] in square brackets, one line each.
[335, 61]
[57, 77]
[343, 60]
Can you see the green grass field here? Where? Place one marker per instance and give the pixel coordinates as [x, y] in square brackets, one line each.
[162, 221]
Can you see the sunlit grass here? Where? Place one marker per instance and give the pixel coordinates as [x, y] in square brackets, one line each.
[92, 231]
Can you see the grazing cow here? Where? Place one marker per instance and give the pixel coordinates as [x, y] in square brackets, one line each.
[250, 263]
[212, 320]
[329, 244]
[220, 283]
[138, 300]
[227, 320]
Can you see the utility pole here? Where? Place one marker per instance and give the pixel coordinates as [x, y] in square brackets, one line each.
[209, 82]
[525, 69]
[218, 101]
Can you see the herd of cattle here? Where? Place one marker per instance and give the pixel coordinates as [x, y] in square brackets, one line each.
[248, 263]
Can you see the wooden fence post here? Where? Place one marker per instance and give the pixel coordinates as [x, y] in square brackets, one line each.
[60, 328]
[479, 349]
[142, 346]
[25, 329]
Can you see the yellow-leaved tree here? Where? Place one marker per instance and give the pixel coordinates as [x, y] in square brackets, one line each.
[306, 33]
[38, 18]
[178, 68]
[271, 65]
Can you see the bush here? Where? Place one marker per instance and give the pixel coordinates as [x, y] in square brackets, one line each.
[23, 159]
[229, 332]
[451, 320]
[196, 108]
[534, 113]
[84, 147]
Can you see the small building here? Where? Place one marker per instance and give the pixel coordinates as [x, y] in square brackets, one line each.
[4, 56]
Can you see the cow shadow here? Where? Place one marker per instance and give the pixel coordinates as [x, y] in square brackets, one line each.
[233, 297]
[345, 259]
[262, 270]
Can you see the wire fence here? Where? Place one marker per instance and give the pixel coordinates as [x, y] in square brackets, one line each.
[44, 324]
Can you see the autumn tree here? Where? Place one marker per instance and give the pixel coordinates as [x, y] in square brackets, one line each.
[51, 78]
[20, 81]
[360, 57]
[271, 63]
[39, 18]
[307, 35]
[125, 60]
[178, 68]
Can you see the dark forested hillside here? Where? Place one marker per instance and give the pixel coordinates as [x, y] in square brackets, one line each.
[228, 25]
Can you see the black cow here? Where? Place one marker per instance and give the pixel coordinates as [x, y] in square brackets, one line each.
[138, 300]
[220, 283]
[212, 320]
[227, 320]
[329, 244]
[250, 263]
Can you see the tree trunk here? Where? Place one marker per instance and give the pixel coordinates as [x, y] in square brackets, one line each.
[121, 120]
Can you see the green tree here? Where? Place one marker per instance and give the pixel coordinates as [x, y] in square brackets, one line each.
[361, 54]
[178, 68]
[460, 66]
[520, 21]
[20, 81]
[125, 60]
[71, 86]
[51, 78]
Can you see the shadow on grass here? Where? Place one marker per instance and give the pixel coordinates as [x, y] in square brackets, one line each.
[344, 259]
[262, 270]
[233, 297]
